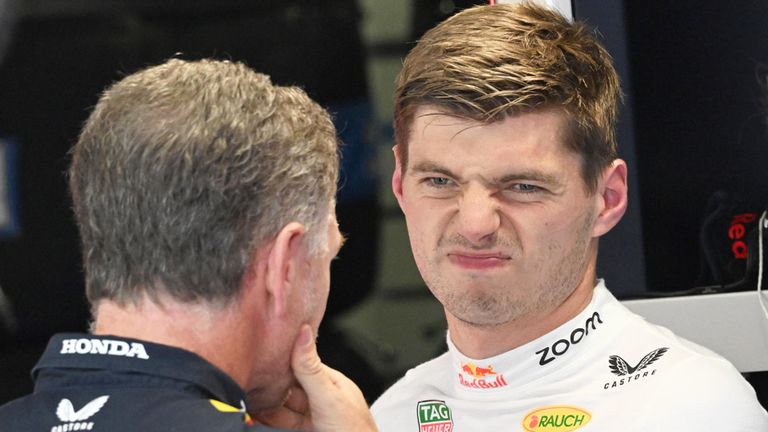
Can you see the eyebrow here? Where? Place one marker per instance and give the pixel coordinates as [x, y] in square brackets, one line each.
[431, 167]
[535, 175]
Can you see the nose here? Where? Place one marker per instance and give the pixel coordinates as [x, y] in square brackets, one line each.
[478, 216]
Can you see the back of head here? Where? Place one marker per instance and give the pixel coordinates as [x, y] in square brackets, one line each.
[488, 62]
[183, 169]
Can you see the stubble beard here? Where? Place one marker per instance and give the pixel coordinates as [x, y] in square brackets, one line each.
[493, 303]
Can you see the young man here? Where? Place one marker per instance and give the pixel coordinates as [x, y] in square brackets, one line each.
[205, 201]
[507, 173]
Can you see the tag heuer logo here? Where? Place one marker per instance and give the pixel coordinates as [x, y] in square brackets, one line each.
[620, 367]
[434, 416]
[76, 419]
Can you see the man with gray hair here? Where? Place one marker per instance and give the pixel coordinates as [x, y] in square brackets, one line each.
[204, 195]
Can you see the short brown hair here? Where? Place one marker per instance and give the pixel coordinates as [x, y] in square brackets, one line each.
[184, 169]
[488, 62]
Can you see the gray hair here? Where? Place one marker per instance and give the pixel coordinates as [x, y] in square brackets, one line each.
[184, 169]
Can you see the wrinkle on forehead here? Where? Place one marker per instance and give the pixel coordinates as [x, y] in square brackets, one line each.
[436, 116]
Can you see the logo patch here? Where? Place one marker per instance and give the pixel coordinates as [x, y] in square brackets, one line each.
[434, 416]
[556, 419]
[103, 347]
[76, 419]
[482, 377]
[561, 346]
[476, 371]
[620, 367]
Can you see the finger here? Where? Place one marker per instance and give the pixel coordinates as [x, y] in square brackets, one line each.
[297, 400]
[283, 418]
[336, 403]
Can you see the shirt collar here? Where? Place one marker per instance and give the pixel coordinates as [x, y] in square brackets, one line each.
[559, 349]
[118, 354]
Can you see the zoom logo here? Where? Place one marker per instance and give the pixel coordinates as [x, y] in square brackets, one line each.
[551, 353]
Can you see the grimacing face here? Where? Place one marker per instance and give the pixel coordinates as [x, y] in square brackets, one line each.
[499, 219]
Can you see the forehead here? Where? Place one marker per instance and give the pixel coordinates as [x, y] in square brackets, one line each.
[534, 136]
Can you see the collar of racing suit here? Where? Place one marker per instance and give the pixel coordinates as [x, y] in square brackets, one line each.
[566, 347]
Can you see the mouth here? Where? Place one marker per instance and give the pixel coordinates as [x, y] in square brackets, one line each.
[478, 261]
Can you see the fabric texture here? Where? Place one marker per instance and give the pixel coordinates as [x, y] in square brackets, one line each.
[107, 383]
[607, 369]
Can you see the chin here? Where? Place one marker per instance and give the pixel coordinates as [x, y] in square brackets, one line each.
[269, 397]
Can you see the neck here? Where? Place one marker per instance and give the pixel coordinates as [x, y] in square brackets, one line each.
[480, 342]
[217, 334]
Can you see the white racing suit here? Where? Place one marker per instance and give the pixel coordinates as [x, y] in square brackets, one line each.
[605, 370]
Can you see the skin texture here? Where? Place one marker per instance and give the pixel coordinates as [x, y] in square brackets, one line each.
[265, 339]
[501, 225]
[297, 285]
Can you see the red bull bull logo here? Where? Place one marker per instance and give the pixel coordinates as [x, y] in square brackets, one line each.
[481, 377]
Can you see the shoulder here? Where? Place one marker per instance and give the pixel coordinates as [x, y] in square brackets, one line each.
[695, 388]
[706, 394]
[194, 414]
[429, 378]
[682, 359]
[640, 333]
[122, 411]
[15, 415]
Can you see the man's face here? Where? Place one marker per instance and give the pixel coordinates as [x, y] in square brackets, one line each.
[498, 215]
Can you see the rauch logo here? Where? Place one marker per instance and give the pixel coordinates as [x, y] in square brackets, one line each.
[434, 416]
[479, 375]
[556, 419]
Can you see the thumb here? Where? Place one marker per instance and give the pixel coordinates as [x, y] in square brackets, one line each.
[306, 364]
[335, 402]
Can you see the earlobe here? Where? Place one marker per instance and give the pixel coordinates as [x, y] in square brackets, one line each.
[397, 177]
[612, 198]
[283, 263]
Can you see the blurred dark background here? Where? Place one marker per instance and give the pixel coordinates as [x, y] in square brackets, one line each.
[693, 127]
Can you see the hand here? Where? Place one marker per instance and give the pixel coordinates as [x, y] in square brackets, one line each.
[327, 401]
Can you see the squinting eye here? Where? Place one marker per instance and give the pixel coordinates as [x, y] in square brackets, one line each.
[525, 188]
[439, 181]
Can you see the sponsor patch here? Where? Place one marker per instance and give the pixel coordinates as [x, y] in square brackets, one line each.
[556, 419]
[434, 416]
[76, 420]
[561, 346]
[629, 373]
[103, 347]
[480, 377]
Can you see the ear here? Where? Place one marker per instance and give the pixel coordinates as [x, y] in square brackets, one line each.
[397, 177]
[283, 263]
[611, 198]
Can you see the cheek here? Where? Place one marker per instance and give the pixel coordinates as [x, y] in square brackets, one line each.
[427, 217]
[566, 230]
[421, 233]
